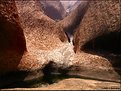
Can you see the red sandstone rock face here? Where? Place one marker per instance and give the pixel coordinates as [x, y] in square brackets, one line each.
[27, 39]
[97, 42]
[42, 34]
[75, 84]
[40, 31]
[102, 17]
[32, 40]
[12, 38]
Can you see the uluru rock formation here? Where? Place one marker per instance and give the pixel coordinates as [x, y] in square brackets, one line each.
[42, 33]
[13, 47]
[102, 17]
[33, 38]
[35, 48]
[97, 42]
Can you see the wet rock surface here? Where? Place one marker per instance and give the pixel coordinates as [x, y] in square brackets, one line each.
[94, 67]
[77, 84]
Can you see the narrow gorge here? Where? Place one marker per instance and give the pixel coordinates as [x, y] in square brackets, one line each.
[60, 45]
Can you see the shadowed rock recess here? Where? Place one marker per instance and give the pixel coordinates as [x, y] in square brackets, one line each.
[35, 50]
[97, 42]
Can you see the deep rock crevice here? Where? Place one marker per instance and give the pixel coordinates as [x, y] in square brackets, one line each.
[107, 43]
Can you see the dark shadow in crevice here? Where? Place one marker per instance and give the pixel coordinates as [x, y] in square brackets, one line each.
[52, 73]
[73, 20]
[12, 48]
[12, 79]
[11, 36]
[21, 79]
[108, 46]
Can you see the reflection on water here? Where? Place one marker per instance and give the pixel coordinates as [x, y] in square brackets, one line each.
[46, 80]
[40, 82]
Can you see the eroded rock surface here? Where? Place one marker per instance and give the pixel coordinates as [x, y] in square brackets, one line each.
[12, 38]
[37, 40]
[42, 33]
[34, 41]
[101, 19]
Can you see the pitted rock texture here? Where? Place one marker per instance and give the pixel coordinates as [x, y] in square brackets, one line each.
[37, 40]
[101, 17]
[43, 35]
[12, 39]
